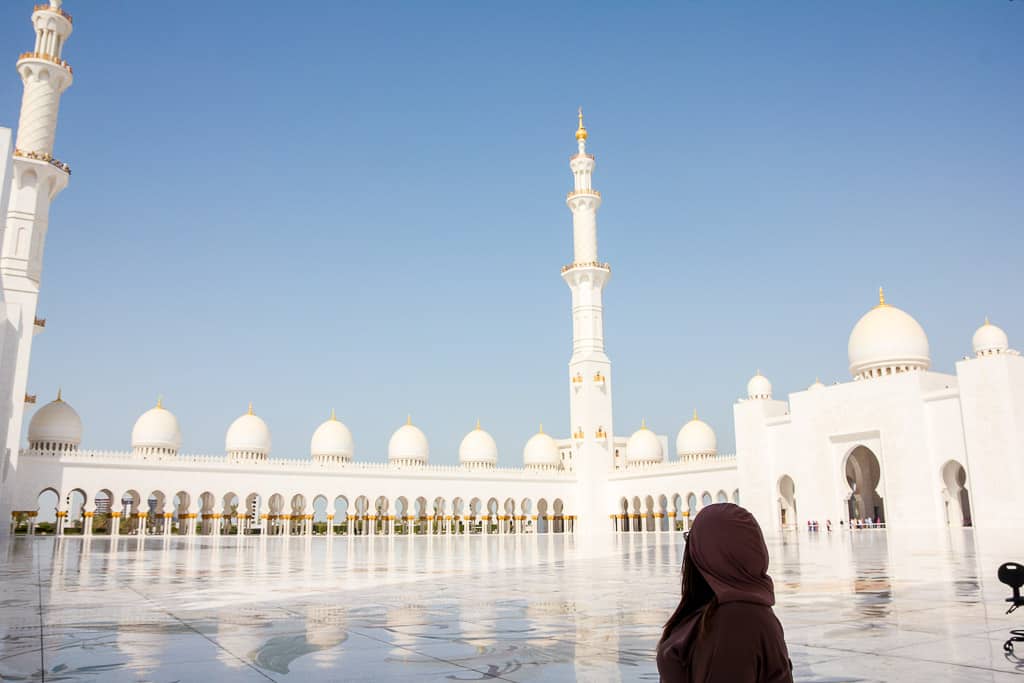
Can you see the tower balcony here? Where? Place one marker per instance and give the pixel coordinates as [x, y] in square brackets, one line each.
[58, 10]
[46, 58]
[42, 156]
[583, 193]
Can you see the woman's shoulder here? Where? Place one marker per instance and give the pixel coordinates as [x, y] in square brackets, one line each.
[747, 616]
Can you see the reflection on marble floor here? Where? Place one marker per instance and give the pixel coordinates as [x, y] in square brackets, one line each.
[862, 607]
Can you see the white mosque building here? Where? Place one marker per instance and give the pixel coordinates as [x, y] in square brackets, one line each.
[900, 444]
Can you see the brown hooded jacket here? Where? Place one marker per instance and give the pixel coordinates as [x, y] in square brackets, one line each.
[743, 642]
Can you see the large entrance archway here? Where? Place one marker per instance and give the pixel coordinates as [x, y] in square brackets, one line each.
[787, 502]
[863, 474]
[955, 495]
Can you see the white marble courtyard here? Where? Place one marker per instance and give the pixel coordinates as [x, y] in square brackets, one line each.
[865, 606]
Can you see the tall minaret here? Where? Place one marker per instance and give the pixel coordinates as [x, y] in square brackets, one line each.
[590, 371]
[36, 178]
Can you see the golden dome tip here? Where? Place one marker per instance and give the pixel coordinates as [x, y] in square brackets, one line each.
[250, 409]
[581, 131]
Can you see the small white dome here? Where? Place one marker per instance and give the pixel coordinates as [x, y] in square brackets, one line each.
[332, 441]
[644, 446]
[156, 430]
[541, 452]
[887, 340]
[990, 339]
[759, 387]
[248, 437]
[55, 426]
[817, 385]
[408, 443]
[478, 448]
[696, 438]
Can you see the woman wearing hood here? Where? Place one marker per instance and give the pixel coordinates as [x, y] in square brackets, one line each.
[724, 628]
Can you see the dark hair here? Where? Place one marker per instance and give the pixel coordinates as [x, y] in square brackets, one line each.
[697, 595]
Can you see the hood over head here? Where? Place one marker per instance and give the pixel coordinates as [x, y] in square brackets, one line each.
[727, 546]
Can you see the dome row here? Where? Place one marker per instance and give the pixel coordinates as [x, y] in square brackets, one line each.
[57, 427]
[695, 439]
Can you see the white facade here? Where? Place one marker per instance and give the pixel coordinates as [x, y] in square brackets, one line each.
[901, 443]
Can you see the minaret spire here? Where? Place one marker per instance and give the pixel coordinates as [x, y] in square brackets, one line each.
[590, 371]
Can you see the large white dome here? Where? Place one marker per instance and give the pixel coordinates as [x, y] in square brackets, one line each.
[696, 438]
[409, 445]
[541, 452]
[248, 437]
[156, 432]
[56, 426]
[990, 340]
[885, 341]
[644, 447]
[332, 441]
[759, 387]
[478, 448]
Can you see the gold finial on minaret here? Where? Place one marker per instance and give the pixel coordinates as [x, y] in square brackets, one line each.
[694, 415]
[643, 423]
[160, 401]
[478, 423]
[881, 297]
[250, 409]
[986, 321]
[581, 132]
[58, 394]
[408, 419]
[541, 428]
[333, 417]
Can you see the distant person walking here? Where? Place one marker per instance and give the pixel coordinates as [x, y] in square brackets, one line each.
[724, 628]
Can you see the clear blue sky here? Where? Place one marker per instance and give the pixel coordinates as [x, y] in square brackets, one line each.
[317, 205]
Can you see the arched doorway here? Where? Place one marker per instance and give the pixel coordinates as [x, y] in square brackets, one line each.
[863, 474]
[955, 495]
[787, 501]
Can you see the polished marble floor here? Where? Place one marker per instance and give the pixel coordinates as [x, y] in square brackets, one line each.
[856, 606]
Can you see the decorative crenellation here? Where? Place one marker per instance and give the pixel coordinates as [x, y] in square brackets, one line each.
[72, 454]
[58, 10]
[49, 58]
[577, 193]
[588, 264]
[48, 158]
[696, 462]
